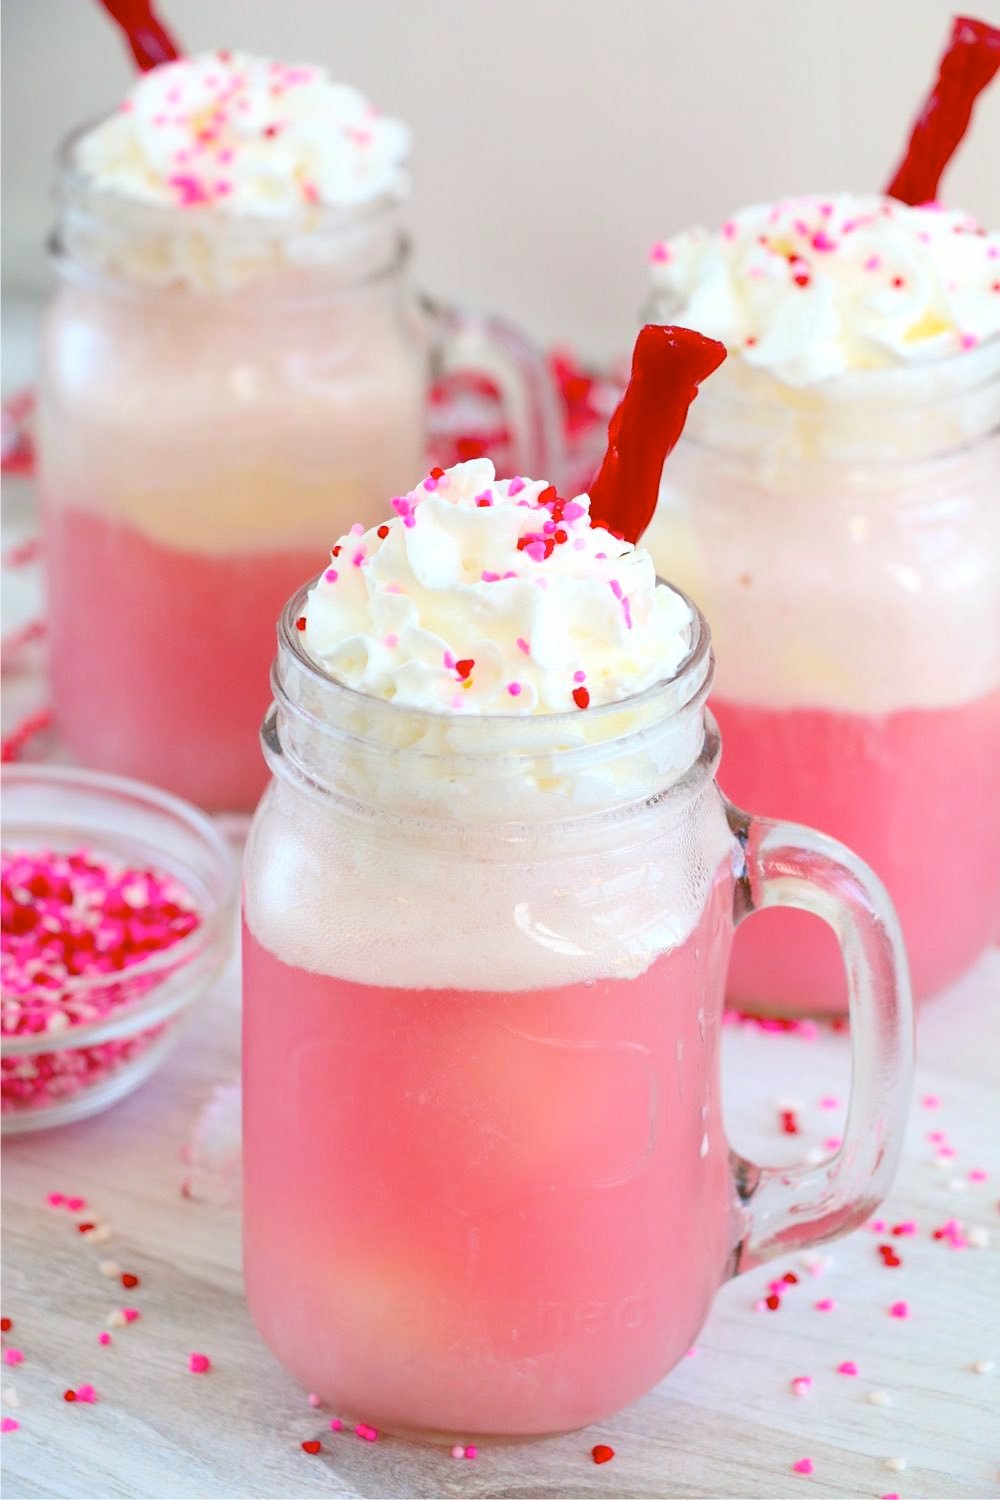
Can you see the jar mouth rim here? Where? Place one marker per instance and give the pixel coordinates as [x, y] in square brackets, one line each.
[695, 665]
[313, 221]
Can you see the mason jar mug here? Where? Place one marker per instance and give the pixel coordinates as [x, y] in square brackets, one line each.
[488, 1192]
[220, 397]
[844, 541]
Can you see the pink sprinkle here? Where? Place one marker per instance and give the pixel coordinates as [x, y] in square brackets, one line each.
[409, 521]
[579, 676]
[86, 1393]
[899, 1310]
[873, 262]
[803, 1466]
[104, 1338]
[55, 1200]
[802, 1385]
[76, 1204]
[430, 484]
[822, 242]
[472, 1451]
[368, 1433]
[969, 340]
[336, 1425]
[579, 543]
[515, 487]
[931, 1101]
[313, 1399]
[357, 529]
[691, 1352]
[976, 1174]
[936, 1136]
[9, 1424]
[615, 588]
[729, 230]
[572, 511]
[391, 640]
[199, 1364]
[536, 551]
[832, 1143]
[130, 1314]
[829, 1102]
[488, 577]
[449, 661]
[847, 1367]
[331, 575]
[13, 1356]
[484, 498]
[878, 1226]
[660, 252]
[825, 1304]
[946, 1152]
[522, 645]
[458, 1451]
[514, 689]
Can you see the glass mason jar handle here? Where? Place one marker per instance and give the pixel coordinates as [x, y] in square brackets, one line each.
[488, 348]
[789, 1208]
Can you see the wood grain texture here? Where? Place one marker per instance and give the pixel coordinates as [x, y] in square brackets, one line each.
[725, 1423]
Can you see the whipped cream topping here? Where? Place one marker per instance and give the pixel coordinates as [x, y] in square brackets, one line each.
[487, 596]
[246, 136]
[809, 288]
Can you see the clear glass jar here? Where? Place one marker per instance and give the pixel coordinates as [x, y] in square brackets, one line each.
[220, 398]
[484, 962]
[844, 541]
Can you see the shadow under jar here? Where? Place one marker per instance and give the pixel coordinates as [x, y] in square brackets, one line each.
[844, 541]
[488, 1193]
[220, 398]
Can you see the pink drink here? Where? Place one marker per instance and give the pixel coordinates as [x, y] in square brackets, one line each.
[178, 652]
[914, 793]
[524, 1196]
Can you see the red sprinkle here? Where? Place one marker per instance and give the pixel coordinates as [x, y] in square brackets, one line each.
[601, 1453]
[69, 1395]
[465, 666]
[313, 1445]
[383, 532]
[300, 623]
[129, 1280]
[5, 1325]
[773, 1301]
[581, 697]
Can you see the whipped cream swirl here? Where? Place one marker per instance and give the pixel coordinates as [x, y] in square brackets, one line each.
[246, 136]
[812, 287]
[487, 596]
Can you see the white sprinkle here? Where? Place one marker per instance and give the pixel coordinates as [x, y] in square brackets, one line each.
[10, 1396]
[117, 1319]
[783, 1102]
[897, 1465]
[58, 1021]
[957, 1184]
[978, 1236]
[983, 1366]
[109, 1268]
[879, 1398]
[99, 1234]
[815, 1155]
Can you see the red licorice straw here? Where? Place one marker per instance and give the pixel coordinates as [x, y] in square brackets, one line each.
[148, 38]
[970, 60]
[668, 365]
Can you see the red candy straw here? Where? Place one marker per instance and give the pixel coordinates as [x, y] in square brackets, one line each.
[148, 38]
[668, 365]
[969, 63]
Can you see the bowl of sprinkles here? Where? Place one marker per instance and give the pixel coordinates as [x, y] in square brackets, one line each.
[116, 907]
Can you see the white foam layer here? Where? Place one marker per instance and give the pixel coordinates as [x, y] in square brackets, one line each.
[334, 896]
[863, 587]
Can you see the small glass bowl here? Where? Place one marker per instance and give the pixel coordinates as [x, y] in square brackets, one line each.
[53, 1078]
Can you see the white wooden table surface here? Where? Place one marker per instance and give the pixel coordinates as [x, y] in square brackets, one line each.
[724, 1424]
